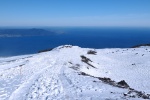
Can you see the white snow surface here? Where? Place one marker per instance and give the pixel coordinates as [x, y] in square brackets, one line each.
[56, 74]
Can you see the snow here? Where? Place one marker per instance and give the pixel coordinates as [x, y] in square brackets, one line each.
[58, 74]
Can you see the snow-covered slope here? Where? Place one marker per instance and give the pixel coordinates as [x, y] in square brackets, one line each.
[74, 73]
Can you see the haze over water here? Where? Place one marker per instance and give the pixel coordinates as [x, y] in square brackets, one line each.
[104, 37]
[86, 23]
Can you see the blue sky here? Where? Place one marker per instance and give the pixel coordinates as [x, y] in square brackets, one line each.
[75, 13]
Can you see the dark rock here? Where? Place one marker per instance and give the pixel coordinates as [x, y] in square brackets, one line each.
[122, 83]
[78, 65]
[75, 67]
[45, 50]
[82, 73]
[105, 79]
[91, 52]
[85, 59]
[125, 94]
[66, 46]
[70, 62]
[94, 81]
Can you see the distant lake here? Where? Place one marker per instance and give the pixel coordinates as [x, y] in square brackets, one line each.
[88, 37]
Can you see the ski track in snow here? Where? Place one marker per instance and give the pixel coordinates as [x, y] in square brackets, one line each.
[50, 75]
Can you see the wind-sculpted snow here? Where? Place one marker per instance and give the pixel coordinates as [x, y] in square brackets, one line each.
[74, 73]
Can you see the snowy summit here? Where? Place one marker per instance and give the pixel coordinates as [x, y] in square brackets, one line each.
[74, 73]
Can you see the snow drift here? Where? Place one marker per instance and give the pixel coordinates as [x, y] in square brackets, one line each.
[74, 73]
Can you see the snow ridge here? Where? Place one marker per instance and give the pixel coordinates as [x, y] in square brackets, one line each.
[74, 73]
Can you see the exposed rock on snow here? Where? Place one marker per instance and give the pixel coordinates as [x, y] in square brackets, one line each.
[122, 83]
[92, 52]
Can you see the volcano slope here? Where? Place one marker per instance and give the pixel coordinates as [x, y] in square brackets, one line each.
[74, 73]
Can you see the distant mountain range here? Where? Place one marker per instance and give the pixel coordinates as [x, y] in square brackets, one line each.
[25, 32]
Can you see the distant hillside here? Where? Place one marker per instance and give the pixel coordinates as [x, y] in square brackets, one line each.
[140, 45]
[24, 32]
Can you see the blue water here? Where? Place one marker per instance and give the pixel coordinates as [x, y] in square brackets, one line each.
[89, 37]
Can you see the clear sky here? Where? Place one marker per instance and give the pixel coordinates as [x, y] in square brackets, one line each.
[75, 13]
